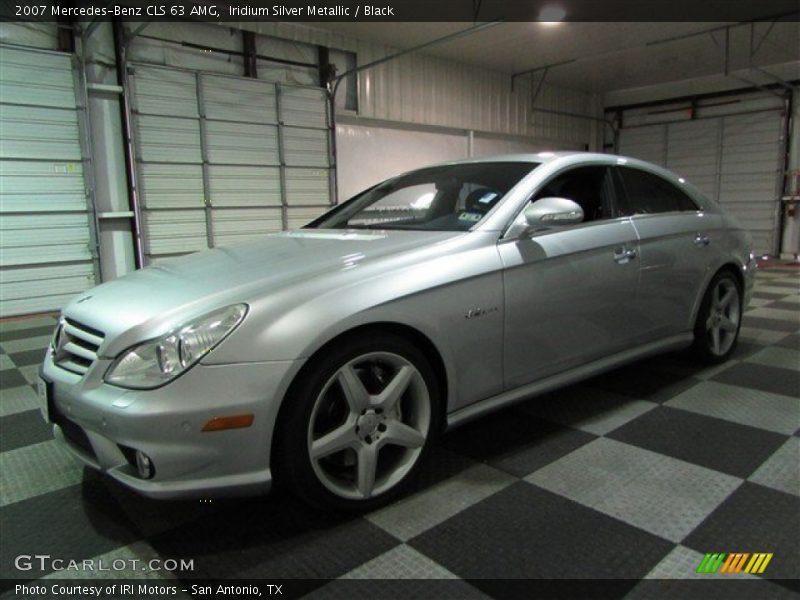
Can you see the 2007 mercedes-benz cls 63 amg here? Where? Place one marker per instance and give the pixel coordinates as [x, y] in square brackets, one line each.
[329, 357]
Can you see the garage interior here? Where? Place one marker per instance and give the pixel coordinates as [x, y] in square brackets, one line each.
[123, 144]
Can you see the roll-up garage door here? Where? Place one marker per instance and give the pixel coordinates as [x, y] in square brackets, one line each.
[46, 235]
[223, 159]
[736, 159]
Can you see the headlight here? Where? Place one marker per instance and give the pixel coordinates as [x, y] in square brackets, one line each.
[156, 362]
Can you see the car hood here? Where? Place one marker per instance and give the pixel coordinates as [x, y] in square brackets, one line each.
[161, 296]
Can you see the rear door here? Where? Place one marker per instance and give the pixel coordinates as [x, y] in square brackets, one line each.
[570, 292]
[677, 243]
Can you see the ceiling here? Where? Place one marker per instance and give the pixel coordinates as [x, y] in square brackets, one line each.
[607, 56]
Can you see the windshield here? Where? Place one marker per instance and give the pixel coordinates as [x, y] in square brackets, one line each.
[445, 198]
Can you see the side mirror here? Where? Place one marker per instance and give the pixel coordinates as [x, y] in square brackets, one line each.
[552, 212]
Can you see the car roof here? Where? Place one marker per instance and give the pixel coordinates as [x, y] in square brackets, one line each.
[568, 158]
[548, 156]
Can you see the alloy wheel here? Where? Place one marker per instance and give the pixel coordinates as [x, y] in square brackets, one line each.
[368, 425]
[722, 324]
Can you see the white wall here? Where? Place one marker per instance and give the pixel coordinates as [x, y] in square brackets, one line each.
[367, 155]
[369, 152]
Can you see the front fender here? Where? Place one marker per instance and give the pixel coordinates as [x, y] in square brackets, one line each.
[432, 297]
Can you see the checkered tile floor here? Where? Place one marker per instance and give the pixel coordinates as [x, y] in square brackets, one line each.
[634, 474]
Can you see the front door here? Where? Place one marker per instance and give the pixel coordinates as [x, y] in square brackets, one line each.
[570, 292]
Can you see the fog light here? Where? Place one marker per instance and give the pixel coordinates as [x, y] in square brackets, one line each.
[144, 465]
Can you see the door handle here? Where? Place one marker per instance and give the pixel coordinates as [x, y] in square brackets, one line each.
[701, 239]
[625, 255]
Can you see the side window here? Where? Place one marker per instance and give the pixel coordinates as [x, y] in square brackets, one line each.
[590, 187]
[647, 193]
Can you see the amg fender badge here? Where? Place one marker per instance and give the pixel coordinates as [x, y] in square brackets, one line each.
[474, 313]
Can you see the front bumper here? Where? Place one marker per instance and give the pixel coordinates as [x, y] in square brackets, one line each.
[103, 425]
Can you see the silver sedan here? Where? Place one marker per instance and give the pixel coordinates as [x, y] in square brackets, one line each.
[329, 357]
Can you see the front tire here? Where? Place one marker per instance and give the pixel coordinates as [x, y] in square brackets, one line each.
[719, 319]
[359, 422]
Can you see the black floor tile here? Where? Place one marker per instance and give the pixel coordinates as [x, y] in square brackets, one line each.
[515, 442]
[10, 378]
[743, 350]
[783, 283]
[23, 429]
[790, 341]
[769, 324]
[80, 521]
[684, 365]
[714, 443]
[755, 519]
[440, 464]
[28, 357]
[775, 380]
[527, 532]
[643, 382]
[30, 332]
[768, 295]
[273, 537]
[783, 305]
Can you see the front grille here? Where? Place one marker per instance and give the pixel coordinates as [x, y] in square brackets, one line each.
[76, 346]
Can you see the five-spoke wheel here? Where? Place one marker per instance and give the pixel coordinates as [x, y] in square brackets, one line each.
[366, 411]
[719, 318]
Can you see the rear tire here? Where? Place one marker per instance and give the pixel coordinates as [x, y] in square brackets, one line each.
[360, 420]
[716, 331]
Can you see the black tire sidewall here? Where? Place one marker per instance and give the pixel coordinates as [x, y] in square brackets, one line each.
[701, 345]
[293, 465]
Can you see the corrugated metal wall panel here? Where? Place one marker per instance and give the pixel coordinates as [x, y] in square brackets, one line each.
[693, 151]
[171, 186]
[237, 225]
[750, 170]
[418, 88]
[46, 252]
[230, 143]
[647, 143]
[34, 289]
[226, 157]
[733, 157]
[168, 139]
[303, 107]
[425, 89]
[298, 217]
[244, 186]
[165, 92]
[30, 132]
[175, 231]
[306, 147]
[44, 238]
[33, 186]
[234, 99]
[46, 80]
[308, 186]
